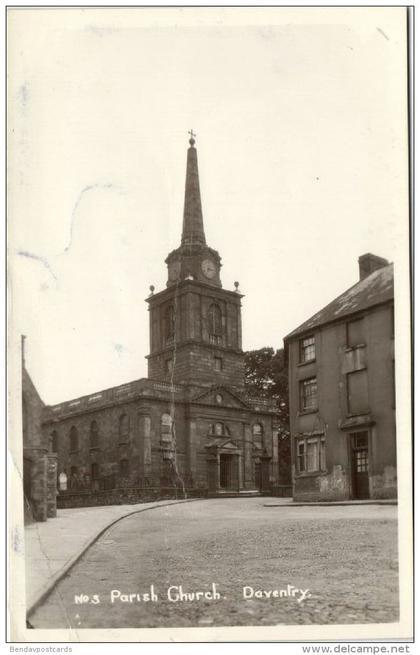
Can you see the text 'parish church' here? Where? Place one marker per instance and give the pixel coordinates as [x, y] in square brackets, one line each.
[190, 424]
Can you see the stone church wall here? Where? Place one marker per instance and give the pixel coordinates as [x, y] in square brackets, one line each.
[138, 444]
[39, 465]
[154, 458]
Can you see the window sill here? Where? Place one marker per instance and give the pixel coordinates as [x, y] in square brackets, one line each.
[309, 361]
[73, 452]
[348, 349]
[94, 448]
[310, 474]
[356, 414]
[303, 412]
[123, 443]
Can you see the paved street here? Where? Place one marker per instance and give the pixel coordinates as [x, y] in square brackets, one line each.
[259, 566]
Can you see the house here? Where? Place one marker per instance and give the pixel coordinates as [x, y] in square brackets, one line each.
[342, 395]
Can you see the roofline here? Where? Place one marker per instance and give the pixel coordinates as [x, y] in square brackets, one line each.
[343, 317]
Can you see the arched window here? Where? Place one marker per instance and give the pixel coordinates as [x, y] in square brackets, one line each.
[169, 323]
[94, 434]
[54, 442]
[215, 320]
[124, 427]
[74, 439]
[257, 430]
[124, 468]
[166, 427]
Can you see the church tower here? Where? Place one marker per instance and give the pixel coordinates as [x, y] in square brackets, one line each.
[195, 324]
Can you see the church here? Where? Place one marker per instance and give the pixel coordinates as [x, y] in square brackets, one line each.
[188, 426]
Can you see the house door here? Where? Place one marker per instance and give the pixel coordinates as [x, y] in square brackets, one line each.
[226, 471]
[360, 465]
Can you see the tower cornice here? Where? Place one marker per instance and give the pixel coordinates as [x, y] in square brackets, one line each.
[187, 286]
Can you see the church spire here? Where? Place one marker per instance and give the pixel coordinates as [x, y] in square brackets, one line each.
[192, 229]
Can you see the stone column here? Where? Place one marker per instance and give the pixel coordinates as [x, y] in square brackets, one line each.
[265, 472]
[274, 477]
[212, 473]
[248, 472]
[52, 463]
[192, 449]
[240, 478]
[145, 449]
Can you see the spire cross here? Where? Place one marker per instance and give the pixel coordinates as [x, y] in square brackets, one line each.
[192, 134]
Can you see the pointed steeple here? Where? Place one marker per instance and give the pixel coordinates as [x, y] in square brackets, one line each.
[193, 228]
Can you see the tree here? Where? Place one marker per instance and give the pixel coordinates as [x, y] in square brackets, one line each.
[266, 375]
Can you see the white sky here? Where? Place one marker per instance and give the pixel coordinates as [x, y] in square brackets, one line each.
[301, 139]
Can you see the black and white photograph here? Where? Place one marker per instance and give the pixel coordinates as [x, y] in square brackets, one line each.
[209, 430]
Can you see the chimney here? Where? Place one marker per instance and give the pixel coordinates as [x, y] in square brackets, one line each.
[369, 263]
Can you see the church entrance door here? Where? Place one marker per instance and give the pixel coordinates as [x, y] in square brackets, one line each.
[227, 477]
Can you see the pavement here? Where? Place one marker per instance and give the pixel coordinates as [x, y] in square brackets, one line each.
[269, 566]
[288, 502]
[54, 546]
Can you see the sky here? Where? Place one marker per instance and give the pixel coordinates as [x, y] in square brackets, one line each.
[300, 116]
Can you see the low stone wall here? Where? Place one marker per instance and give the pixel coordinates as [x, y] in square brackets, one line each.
[124, 496]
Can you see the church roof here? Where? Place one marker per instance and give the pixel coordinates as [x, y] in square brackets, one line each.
[375, 289]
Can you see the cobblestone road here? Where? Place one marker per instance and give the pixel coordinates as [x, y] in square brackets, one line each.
[344, 558]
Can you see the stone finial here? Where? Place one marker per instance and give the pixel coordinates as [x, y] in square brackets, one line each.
[236, 287]
[152, 289]
[192, 137]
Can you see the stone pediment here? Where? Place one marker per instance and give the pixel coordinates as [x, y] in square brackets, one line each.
[222, 443]
[219, 396]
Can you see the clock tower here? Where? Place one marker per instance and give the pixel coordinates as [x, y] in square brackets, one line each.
[195, 324]
[193, 259]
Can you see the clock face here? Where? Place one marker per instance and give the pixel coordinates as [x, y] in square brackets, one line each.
[174, 270]
[208, 268]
